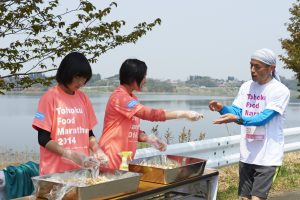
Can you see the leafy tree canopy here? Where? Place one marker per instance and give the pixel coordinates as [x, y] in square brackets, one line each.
[292, 44]
[39, 35]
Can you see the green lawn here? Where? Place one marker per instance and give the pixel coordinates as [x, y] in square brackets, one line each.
[287, 179]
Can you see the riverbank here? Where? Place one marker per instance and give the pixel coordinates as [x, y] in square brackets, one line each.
[180, 90]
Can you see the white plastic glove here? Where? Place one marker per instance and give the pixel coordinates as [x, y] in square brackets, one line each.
[190, 115]
[80, 159]
[156, 142]
[100, 156]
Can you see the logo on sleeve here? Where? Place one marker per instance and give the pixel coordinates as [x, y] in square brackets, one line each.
[132, 103]
[39, 116]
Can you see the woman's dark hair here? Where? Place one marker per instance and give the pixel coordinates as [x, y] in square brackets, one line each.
[74, 64]
[132, 70]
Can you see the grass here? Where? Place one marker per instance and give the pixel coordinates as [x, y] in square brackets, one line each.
[288, 178]
[228, 182]
[11, 157]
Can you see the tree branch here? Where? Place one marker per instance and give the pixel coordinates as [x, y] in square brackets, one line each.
[26, 74]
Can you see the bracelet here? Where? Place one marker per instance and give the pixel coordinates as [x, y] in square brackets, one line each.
[239, 120]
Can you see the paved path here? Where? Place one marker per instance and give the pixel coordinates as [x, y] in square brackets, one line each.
[294, 195]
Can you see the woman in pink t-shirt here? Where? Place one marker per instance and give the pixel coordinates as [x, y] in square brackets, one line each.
[65, 119]
[121, 131]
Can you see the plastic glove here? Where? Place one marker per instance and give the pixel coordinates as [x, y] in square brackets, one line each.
[100, 156]
[156, 142]
[80, 159]
[190, 115]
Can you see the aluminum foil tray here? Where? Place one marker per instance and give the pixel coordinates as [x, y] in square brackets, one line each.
[165, 169]
[53, 186]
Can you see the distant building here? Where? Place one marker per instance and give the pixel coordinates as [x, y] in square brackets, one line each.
[195, 78]
[113, 78]
[230, 78]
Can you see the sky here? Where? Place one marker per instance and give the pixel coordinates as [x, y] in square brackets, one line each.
[205, 38]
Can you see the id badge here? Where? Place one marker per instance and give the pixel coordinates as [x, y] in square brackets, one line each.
[253, 133]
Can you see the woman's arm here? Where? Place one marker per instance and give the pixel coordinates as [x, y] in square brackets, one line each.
[93, 142]
[151, 114]
[97, 151]
[152, 140]
[52, 146]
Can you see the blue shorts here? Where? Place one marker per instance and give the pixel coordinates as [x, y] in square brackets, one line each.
[256, 180]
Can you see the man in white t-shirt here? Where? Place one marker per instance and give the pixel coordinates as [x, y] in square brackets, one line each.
[260, 110]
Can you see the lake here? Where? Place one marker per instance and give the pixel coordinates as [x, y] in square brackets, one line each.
[17, 112]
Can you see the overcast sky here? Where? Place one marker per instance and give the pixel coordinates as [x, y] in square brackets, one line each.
[206, 38]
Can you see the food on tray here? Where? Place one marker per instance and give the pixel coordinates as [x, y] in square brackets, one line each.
[166, 169]
[88, 181]
[164, 164]
[171, 166]
[82, 184]
[80, 181]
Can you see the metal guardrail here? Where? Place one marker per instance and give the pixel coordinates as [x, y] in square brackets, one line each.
[219, 151]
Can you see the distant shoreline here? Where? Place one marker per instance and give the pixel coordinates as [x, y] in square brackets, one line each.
[208, 91]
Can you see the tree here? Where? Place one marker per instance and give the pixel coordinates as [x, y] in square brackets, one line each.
[292, 44]
[202, 81]
[44, 36]
[154, 85]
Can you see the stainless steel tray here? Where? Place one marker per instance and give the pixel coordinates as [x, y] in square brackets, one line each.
[154, 169]
[52, 186]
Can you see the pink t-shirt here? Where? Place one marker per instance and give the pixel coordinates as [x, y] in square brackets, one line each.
[68, 118]
[121, 127]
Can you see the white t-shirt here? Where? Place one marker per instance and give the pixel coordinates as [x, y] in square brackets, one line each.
[253, 98]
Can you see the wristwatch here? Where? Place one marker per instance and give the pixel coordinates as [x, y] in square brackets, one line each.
[239, 120]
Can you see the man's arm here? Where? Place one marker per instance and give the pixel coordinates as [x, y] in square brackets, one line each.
[234, 114]
[258, 120]
[231, 109]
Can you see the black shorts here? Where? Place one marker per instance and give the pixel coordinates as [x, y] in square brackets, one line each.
[256, 180]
